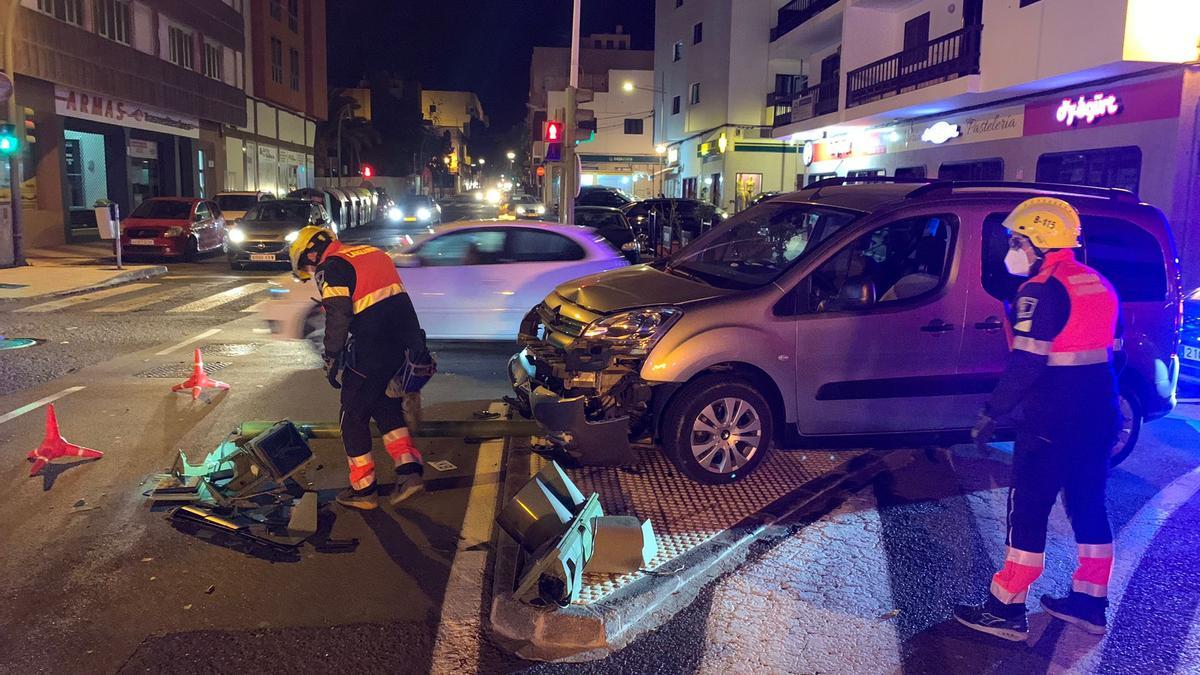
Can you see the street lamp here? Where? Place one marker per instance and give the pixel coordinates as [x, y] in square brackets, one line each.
[511, 156]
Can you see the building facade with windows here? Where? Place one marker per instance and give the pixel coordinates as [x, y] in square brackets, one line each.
[286, 95]
[453, 114]
[1101, 94]
[710, 65]
[123, 100]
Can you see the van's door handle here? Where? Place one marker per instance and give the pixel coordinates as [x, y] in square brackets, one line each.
[990, 323]
[937, 326]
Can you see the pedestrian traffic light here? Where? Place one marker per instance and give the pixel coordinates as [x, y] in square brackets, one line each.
[9, 143]
[552, 131]
[367, 171]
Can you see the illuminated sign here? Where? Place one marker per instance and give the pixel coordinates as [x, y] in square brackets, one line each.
[71, 102]
[940, 133]
[807, 152]
[839, 148]
[722, 143]
[1088, 110]
[673, 154]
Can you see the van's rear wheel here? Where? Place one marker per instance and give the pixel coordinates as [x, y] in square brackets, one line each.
[1130, 415]
[717, 429]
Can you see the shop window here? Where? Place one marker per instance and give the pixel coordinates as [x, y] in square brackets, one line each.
[70, 11]
[1124, 253]
[214, 65]
[1106, 167]
[634, 126]
[294, 16]
[694, 93]
[911, 172]
[698, 33]
[675, 105]
[294, 63]
[276, 61]
[86, 168]
[984, 169]
[112, 20]
[180, 47]
[677, 51]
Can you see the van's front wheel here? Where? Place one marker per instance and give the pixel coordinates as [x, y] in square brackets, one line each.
[1130, 415]
[717, 429]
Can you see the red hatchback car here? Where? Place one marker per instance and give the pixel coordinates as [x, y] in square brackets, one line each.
[175, 227]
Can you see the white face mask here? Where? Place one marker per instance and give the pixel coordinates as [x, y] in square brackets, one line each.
[1017, 262]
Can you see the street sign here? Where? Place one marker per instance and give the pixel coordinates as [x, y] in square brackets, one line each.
[5, 87]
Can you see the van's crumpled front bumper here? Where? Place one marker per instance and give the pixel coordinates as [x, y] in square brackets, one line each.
[602, 442]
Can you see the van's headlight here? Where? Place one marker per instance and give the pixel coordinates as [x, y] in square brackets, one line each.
[237, 236]
[394, 214]
[641, 327]
[424, 213]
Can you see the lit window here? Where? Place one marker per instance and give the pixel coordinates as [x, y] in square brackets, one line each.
[276, 61]
[70, 11]
[112, 20]
[214, 65]
[180, 48]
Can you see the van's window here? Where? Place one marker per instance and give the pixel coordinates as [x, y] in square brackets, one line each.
[985, 169]
[901, 261]
[1128, 256]
[1106, 167]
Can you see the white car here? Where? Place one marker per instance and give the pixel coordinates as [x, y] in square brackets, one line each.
[471, 280]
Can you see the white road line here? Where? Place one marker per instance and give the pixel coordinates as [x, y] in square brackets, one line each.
[55, 305]
[205, 304]
[37, 404]
[194, 338]
[142, 301]
[456, 647]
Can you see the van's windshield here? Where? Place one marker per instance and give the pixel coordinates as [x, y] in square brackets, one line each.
[753, 248]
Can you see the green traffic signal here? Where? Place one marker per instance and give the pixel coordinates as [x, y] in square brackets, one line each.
[9, 143]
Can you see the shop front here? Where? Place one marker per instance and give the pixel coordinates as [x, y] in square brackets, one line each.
[121, 151]
[635, 174]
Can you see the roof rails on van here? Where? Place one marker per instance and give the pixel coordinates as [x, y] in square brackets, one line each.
[834, 181]
[1116, 194]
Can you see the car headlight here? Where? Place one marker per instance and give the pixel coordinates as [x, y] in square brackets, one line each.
[424, 213]
[520, 210]
[291, 236]
[541, 210]
[639, 327]
[394, 214]
[173, 231]
[236, 235]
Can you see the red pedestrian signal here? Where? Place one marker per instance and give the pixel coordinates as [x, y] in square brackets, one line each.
[367, 171]
[552, 131]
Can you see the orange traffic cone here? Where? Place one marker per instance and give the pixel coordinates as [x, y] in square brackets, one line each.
[199, 380]
[54, 445]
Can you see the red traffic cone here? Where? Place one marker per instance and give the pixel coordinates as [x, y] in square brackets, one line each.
[54, 446]
[199, 380]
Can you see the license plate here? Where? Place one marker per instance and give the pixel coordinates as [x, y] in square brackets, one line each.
[1191, 353]
[141, 242]
[262, 257]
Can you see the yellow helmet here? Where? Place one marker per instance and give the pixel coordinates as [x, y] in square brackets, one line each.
[310, 238]
[1047, 222]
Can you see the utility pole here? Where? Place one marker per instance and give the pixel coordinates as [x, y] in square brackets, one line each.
[14, 160]
[566, 200]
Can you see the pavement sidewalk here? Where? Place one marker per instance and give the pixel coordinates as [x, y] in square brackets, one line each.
[70, 269]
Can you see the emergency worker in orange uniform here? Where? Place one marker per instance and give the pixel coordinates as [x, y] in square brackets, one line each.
[370, 325]
[1060, 374]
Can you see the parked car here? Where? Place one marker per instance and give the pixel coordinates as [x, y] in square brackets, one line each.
[235, 204]
[415, 211]
[525, 207]
[802, 317]
[672, 223]
[471, 280]
[601, 195]
[264, 234]
[176, 227]
[1189, 348]
[611, 224]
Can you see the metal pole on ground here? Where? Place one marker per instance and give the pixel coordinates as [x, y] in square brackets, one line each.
[14, 161]
[569, 186]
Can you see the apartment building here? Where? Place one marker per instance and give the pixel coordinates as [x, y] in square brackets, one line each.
[126, 100]
[711, 70]
[454, 113]
[1057, 91]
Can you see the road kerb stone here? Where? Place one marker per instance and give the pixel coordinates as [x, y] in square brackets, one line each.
[120, 279]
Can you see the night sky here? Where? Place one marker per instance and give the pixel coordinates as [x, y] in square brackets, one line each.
[475, 45]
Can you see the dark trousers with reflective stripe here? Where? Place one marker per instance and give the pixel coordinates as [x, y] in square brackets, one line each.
[364, 398]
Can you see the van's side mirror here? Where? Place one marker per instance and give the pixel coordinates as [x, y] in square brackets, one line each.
[856, 294]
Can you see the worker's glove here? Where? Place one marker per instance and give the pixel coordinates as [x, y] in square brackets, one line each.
[332, 369]
[983, 431]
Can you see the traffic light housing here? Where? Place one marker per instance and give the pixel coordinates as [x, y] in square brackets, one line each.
[9, 142]
[552, 131]
[30, 126]
[585, 125]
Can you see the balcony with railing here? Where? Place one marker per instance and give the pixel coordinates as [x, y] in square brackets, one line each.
[949, 56]
[807, 102]
[795, 13]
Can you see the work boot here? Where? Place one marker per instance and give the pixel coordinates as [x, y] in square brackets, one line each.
[995, 618]
[407, 485]
[363, 500]
[1080, 609]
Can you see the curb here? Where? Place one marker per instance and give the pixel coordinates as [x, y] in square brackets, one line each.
[117, 280]
[589, 633]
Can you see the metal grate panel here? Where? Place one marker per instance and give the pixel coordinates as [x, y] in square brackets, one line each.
[230, 348]
[181, 370]
[687, 514]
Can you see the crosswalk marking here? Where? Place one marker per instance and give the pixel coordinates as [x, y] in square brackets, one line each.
[63, 303]
[205, 304]
[143, 301]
